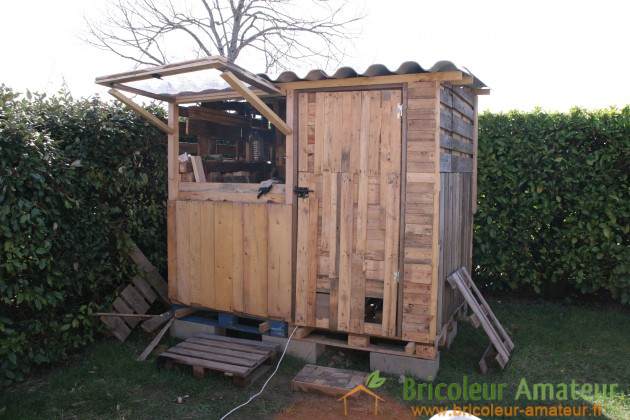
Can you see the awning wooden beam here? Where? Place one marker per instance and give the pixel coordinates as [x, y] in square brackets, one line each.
[141, 111]
[141, 92]
[222, 95]
[214, 62]
[256, 102]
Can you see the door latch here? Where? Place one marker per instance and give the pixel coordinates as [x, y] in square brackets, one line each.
[302, 192]
[399, 111]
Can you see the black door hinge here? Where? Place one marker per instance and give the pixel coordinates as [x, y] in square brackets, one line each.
[302, 192]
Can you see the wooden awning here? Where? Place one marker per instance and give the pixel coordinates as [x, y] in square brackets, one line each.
[120, 80]
[244, 84]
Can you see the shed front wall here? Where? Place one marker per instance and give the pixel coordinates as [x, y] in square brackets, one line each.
[234, 257]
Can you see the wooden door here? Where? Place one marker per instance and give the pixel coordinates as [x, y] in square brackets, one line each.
[349, 156]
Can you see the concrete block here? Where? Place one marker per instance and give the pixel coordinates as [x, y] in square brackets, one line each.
[305, 350]
[183, 329]
[404, 365]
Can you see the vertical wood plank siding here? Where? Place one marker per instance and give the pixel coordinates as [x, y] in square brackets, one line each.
[458, 176]
[234, 257]
[349, 155]
[421, 213]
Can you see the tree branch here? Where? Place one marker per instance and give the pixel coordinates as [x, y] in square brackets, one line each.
[279, 31]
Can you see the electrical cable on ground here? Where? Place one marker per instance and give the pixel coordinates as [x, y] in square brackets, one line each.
[266, 382]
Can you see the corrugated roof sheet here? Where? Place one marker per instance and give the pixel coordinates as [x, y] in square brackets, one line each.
[408, 67]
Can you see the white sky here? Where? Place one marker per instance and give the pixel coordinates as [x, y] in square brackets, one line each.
[553, 53]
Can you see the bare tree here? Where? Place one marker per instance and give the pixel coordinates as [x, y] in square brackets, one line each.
[282, 31]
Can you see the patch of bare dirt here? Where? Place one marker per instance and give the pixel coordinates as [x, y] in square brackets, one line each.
[314, 406]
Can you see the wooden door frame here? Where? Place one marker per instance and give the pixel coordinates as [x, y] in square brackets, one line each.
[292, 119]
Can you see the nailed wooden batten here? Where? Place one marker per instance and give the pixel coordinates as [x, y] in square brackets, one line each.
[141, 111]
[256, 102]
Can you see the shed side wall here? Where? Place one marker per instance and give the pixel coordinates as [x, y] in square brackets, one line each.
[457, 153]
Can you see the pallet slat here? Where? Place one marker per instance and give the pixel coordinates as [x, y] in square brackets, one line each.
[491, 325]
[229, 346]
[209, 355]
[239, 358]
[257, 344]
[214, 348]
[193, 361]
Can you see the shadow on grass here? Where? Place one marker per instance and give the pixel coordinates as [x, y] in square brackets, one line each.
[106, 382]
[555, 344]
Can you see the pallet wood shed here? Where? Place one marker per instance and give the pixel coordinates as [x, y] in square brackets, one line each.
[373, 210]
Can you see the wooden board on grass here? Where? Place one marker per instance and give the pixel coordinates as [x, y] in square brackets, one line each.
[327, 380]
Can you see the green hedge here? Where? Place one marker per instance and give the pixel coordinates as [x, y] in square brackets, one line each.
[76, 177]
[554, 203]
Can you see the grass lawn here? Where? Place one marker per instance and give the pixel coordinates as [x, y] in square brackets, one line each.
[555, 343]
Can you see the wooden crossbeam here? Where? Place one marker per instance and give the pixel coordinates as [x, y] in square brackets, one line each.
[141, 111]
[214, 116]
[256, 102]
[214, 62]
[141, 92]
[161, 71]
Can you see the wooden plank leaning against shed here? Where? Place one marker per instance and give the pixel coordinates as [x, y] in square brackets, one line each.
[198, 170]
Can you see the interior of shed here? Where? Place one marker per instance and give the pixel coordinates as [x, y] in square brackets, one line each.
[236, 143]
[227, 118]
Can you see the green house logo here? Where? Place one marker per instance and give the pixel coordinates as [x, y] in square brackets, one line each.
[374, 380]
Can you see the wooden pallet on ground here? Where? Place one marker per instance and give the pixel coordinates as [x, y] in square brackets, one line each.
[327, 380]
[244, 360]
[501, 344]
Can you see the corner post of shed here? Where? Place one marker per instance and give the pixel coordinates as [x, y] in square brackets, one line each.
[173, 191]
[173, 151]
[435, 306]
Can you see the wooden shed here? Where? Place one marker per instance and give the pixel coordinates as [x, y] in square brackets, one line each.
[370, 207]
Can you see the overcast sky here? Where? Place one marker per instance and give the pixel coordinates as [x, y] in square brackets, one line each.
[553, 54]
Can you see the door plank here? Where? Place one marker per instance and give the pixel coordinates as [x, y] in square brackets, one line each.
[279, 289]
[223, 222]
[207, 247]
[390, 183]
[255, 259]
[313, 251]
[345, 252]
[183, 252]
[303, 132]
[194, 257]
[237, 253]
[320, 115]
[303, 313]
